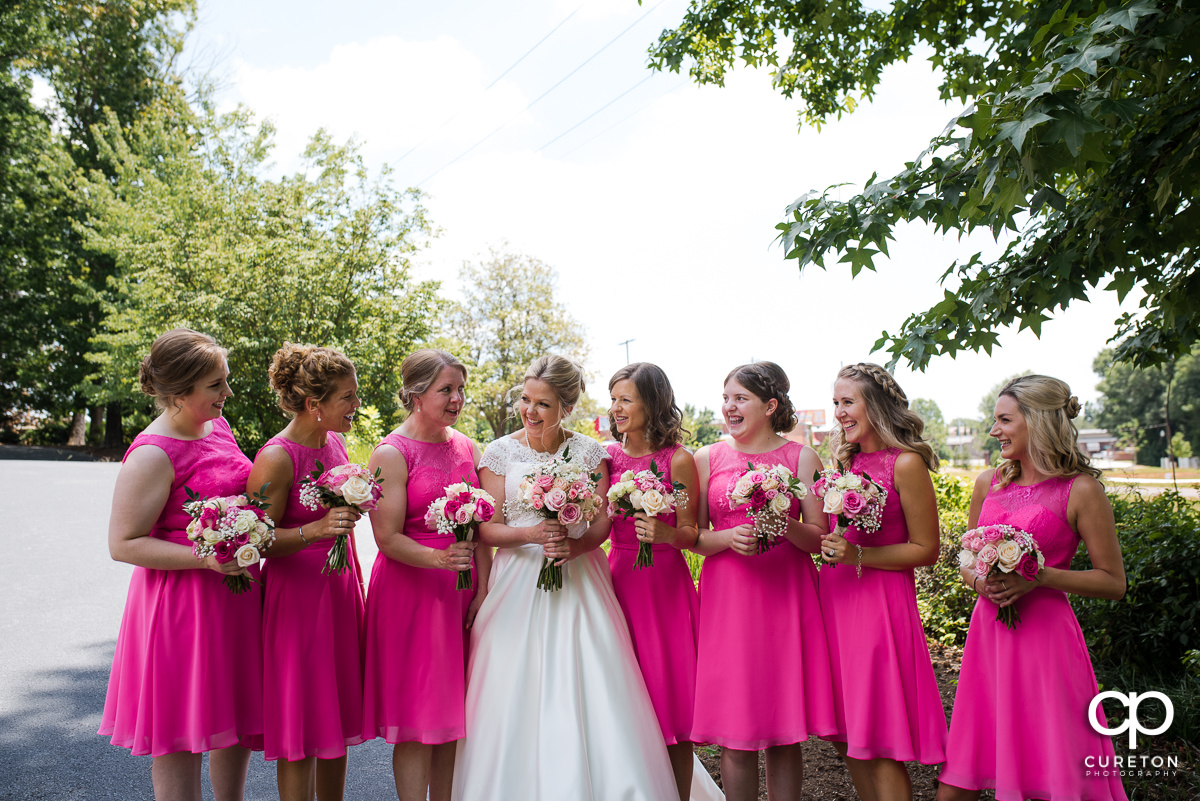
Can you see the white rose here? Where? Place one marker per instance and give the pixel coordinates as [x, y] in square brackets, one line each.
[193, 530]
[356, 490]
[627, 475]
[780, 504]
[783, 472]
[852, 481]
[833, 502]
[966, 559]
[245, 521]
[635, 499]
[1009, 553]
[256, 537]
[653, 502]
[246, 555]
[211, 536]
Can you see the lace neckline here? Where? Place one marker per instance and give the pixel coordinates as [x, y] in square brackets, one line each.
[571, 435]
[784, 444]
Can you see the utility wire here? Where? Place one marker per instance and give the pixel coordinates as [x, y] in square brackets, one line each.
[594, 113]
[532, 103]
[631, 114]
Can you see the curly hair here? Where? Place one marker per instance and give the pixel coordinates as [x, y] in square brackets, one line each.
[177, 361]
[420, 369]
[1048, 408]
[300, 372]
[767, 381]
[664, 420]
[887, 411]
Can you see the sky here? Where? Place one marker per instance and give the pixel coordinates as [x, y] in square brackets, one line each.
[537, 128]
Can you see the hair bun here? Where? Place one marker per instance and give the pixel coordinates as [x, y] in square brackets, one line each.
[1072, 407]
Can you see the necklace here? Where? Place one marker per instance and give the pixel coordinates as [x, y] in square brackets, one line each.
[543, 449]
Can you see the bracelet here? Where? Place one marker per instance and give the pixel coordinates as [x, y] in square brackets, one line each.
[975, 585]
[302, 537]
[858, 564]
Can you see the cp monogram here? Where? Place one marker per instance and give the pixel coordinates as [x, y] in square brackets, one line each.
[1134, 723]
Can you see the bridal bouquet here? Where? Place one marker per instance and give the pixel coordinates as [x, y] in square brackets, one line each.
[856, 500]
[769, 492]
[648, 492]
[232, 528]
[1001, 548]
[345, 485]
[459, 512]
[557, 490]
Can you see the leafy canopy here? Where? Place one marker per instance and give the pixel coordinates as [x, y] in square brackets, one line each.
[1079, 142]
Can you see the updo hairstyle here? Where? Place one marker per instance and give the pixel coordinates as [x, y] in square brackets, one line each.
[888, 412]
[767, 381]
[664, 421]
[1048, 408]
[300, 372]
[420, 369]
[564, 376]
[177, 361]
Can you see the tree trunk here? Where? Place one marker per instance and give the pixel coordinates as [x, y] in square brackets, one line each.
[114, 432]
[77, 437]
[95, 425]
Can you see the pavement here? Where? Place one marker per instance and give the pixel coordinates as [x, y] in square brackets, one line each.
[62, 597]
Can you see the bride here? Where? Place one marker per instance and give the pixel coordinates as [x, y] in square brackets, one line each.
[556, 705]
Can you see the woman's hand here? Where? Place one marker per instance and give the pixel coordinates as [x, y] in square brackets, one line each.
[652, 530]
[229, 568]
[473, 609]
[836, 549]
[743, 540]
[1003, 589]
[552, 536]
[457, 556]
[339, 520]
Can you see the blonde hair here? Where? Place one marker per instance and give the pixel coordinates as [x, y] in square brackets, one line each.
[767, 381]
[300, 372]
[420, 369]
[177, 361]
[1048, 408]
[887, 411]
[565, 376]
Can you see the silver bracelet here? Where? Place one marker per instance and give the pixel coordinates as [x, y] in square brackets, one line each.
[302, 537]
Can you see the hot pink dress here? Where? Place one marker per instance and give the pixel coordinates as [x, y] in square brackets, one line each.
[186, 675]
[1020, 715]
[312, 632]
[415, 687]
[660, 606]
[762, 673]
[892, 705]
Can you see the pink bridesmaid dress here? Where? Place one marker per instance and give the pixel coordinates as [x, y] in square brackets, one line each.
[660, 606]
[187, 671]
[892, 706]
[415, 686]
[1020, 714]
[312, 632]
[761, 626]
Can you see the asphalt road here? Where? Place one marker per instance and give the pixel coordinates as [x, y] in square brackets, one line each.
[62, 598]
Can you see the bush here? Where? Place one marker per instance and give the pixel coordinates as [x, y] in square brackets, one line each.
[1154, 626]
[945, 603]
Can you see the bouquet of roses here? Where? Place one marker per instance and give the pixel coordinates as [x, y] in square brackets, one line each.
[557, 490]
[1001, 548]
[856, 500]
[769, 492]
[345, 485]
[232, 528]
[459, 512]
[648, 492]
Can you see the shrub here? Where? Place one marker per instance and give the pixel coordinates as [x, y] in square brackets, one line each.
[945, 603]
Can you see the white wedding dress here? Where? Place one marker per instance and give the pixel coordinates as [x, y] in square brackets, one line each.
[556, 706]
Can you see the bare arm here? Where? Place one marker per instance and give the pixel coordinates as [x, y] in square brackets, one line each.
[806, 533]
[273, 474]
[711, 542]
[483, 559]
[684, 533]
[982, 486]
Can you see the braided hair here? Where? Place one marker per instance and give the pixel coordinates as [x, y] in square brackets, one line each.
[767, 381]
[888, 412]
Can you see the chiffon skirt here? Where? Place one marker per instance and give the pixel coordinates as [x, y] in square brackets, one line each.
[187, 670]
[313, 628]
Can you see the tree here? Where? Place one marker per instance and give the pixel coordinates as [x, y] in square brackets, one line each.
[1079, 142]
[703, 426]
[1133, 402]
[507, 318]
[201, 239]
[935, 425]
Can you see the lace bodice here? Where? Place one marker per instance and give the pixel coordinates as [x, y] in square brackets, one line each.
[304, 461]
[622, 527]
[514, 460]
[726, 465]
[881, 467]
[432, 466]
[1041, 510]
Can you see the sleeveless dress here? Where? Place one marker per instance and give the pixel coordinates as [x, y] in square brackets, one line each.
[416, 618]
[1020, 714]
[893, 709]
[187, 671]
[660, 605]
[556, 705]
[760, 622]
[312, 632]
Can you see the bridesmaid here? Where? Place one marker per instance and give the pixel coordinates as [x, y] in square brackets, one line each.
[659, 601]
[1045, 486]
[417, 621]
[185, 675]
[762, 679]
[890, 696]
[312, 622]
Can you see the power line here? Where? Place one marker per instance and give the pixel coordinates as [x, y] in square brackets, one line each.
[532, 103]
[631, 114]
[594, 113]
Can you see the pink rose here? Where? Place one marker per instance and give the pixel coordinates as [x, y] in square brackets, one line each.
[452, 507]
[484, 509]
[537, 502]
[224, 551]
[992, 534]
[544, 481]
[570, 513]
[976, 544]
[819, 487]
[645, 482]
[555, 499]
[758, 498]
[982, 568]
[462, 515]
[758, 477]
[853, 503]
[771, 494]
[241, 539]
[1028, 567]
[988, 554]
